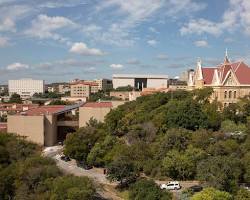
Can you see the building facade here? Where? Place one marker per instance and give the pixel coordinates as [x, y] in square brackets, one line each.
[140, 81]
[83, 89]
[230, 81]
[104, 84]
[26, 87]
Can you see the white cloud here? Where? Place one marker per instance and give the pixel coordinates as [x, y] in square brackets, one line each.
[116, 66]
[153, 30]
[236, 17]
[46, 27]
[17, 66]
[162, 57]
[9, 14]
[130, 13]
[4, 42]
[201, 43]
[83, 49]
[133, 61]
[152, 42]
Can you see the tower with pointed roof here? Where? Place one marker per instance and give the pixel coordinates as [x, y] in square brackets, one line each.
[229, 80]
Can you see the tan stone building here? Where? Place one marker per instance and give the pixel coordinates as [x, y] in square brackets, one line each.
[83, 88]
[230, 81]
[45, 125]
[96, 110]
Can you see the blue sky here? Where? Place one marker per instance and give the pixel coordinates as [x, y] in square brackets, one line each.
[59, 40]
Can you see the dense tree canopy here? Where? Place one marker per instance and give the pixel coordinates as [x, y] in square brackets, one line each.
[179, 135]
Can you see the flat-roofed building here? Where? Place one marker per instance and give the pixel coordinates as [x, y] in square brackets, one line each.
[104, 84]
[96, 110]
[83, 88]
[26, 87]
[44, 125]
[140, 81]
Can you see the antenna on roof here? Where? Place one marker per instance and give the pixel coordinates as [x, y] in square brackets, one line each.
[226, 60]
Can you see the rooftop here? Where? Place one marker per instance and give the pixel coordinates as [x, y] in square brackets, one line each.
[98, 105]
[140, 76]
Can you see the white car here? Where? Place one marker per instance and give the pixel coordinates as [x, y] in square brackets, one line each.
[172, 185]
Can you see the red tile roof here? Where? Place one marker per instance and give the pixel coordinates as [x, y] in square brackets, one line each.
[98, 105]
[208, 74]
[240, 69]
[43, 110]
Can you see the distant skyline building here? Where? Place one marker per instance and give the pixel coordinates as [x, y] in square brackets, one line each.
[140, 81]
[26, 87]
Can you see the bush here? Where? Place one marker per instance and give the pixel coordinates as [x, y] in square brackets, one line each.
[148, 190]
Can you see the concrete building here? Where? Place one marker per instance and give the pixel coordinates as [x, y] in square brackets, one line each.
[96, 110]
[45, 125]
[104, 84]
[230, 81]
[83, 88]
[26, 87]
[123, 95]
[63, 88]
[140, 81]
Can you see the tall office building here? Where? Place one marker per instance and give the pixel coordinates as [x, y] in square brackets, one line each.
[26, 87]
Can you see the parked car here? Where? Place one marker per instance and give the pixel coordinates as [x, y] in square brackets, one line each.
[172, 185]
[196, 188]
[83, 165]
[65, 158]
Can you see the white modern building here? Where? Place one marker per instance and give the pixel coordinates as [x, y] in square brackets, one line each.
[140, 81]
[26, 87]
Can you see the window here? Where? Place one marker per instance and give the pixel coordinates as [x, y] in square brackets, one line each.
[235, 94]
[225, 95]
[230, 95]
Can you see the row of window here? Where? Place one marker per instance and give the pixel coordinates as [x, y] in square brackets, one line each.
[230, 94]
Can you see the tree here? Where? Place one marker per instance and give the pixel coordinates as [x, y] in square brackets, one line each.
[178, 165]
[212, 194]
[221, 172]
[147, 190]
[60, 102]
[71, 188]
[79, 144]
[242, 194]
[246, 165]
[123, 170]
[15, 98]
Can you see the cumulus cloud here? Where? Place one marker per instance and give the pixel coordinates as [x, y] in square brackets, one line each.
[83, 49]
[133, 61]
[152, 42]
[201, 43]
[4, 41]
[162, 57]
[235, 17]
[17, 66]
[46, 27]
[116, 66]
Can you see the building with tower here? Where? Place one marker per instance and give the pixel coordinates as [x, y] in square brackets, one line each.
[229, 80]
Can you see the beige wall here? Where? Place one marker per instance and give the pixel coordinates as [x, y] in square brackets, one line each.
[50, 126]
[30, 126]
[85, 114]
[122, 95]
[79, 90]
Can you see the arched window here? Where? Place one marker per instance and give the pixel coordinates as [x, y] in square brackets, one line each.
[225, 95]
[235, 94]
[230, 95]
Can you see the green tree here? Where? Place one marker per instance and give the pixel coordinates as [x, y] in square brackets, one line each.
[148, 190]
[242, 194]
[221, 172]
[79, 144]
[15, 98]
[212, 194]
[71, 188]
[123, 170]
